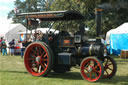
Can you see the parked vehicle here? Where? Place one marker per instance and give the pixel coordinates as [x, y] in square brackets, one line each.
[59, 52]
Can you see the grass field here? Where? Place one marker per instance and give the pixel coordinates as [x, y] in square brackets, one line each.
[13, 72]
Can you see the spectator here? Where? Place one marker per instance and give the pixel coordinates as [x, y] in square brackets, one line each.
[4, 46]
[12, 46]
[22, 49]
[0, 44]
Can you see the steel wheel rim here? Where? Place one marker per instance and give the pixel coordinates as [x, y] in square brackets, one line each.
[36, 59]
[88, 75]
[108, 67]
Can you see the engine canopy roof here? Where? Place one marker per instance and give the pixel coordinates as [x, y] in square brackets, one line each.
[53, 15]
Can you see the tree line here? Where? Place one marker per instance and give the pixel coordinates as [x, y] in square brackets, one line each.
[114, 12]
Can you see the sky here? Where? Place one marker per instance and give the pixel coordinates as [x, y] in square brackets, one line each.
[5, 7]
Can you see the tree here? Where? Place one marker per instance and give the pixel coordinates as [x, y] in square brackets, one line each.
[114, 12]
[86, 7]
[29, 6]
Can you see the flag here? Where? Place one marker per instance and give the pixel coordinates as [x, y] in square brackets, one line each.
[16, 10]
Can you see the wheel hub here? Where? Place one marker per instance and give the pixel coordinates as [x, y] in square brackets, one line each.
[38, 59]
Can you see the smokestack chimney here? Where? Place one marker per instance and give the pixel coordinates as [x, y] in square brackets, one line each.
[98, 21]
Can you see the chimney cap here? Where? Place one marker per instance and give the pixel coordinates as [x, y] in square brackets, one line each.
[98, 9]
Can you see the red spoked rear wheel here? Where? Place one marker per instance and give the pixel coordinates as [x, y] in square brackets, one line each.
[91, 69]
[110, 67]
[38, 59]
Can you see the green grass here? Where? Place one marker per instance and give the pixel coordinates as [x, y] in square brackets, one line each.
[13, 72]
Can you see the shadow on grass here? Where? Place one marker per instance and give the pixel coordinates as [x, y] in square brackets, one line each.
[116, 79]
[68, 75]
[76, 76]
[14, 71]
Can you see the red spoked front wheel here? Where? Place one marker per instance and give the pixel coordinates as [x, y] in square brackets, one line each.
[38, 59]
[110, 67]
[91, 69]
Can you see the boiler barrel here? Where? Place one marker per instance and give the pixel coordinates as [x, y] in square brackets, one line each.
[92, 50]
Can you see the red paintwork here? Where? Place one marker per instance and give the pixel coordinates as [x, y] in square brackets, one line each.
[94, 70]
[44, 59]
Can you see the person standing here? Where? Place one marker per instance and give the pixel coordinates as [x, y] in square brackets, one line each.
[22, 47]
[12, 47]
[0, 44]
[4, 46]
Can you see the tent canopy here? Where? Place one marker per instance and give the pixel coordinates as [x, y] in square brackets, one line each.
[12, 32]
[118, 39]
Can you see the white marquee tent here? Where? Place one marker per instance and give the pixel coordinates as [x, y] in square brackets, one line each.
[118, 39]
[12, 32]
[119, 30]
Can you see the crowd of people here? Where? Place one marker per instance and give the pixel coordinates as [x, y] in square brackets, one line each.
[12, 44]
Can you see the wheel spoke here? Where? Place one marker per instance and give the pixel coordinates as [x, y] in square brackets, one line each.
[40, 50]
[86, 70]
[34, 53]
[110, 64]
[95, 75]
[37, 68]
[90, 76]
[42, 54]
[45, 60]
[88, 63]
[107, 72]
[106, 62]
[33, 62]
[31, 58]
[110, 69]
[33, 65]
[96, 67]
[97, 71]
[45, 55]
[93, 63]
[43, 66]
[37, 50]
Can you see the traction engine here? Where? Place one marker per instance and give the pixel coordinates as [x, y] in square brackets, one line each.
[59, 52]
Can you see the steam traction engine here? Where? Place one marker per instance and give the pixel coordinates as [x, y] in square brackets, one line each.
[59, 52]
